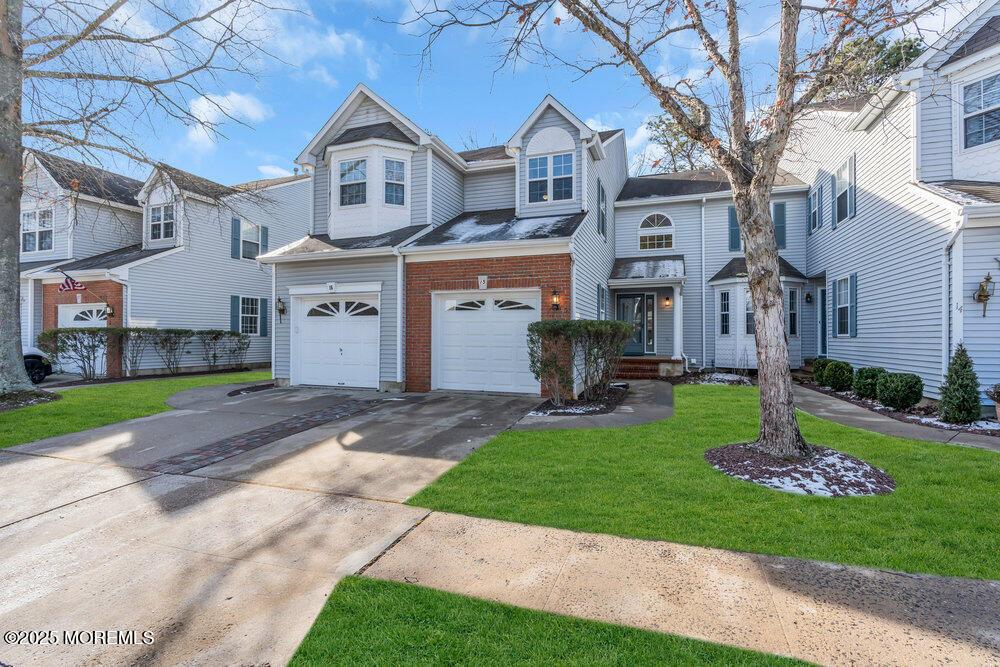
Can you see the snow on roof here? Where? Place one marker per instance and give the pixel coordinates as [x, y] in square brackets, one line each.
[645, 268]
[499, 225]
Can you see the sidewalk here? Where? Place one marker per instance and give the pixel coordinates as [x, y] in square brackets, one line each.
[820, 612]
[848, 414]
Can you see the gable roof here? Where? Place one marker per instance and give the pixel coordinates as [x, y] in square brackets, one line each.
[92, 181]
[264, 183]
[692, 182]
[194, 184]
[485, 153]
[737, 268]
[113, 259]
[607, 134]
[550, 102]
[499, 225]
[384, 130]
[988, 35]
[946, 39]
[320, 244]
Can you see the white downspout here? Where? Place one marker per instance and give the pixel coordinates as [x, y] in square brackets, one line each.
[400, 267]
[31, 312]
[704, 286]
[947, 286]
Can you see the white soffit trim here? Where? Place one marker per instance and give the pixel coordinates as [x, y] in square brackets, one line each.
[875, 106]
[336, 288]
[365, 143]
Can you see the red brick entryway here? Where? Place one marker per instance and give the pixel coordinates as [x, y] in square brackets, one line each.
[97, 292]
[547, 273]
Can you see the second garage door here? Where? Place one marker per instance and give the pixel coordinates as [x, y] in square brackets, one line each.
[480, 341]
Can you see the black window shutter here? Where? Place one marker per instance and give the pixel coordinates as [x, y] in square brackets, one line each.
[734, 231]
[780, 232]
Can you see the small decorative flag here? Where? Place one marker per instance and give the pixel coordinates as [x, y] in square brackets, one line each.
[70, 285]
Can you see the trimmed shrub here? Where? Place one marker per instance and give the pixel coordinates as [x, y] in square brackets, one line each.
[866, 382]
[549, 351]
[960, 391]
[214, 344]
[900, 391]
[819, 365]
[562, 351]
[236, 345]
[135, 342]
[85, 347]
[170, 345]
[838, 375]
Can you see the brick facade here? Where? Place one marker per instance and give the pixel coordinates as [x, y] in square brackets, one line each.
[547, 272]
[98, 291]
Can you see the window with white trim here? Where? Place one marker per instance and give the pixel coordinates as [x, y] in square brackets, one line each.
[724, 313]
[751, 326]
[249, 315]
[656, 232]
[981, 111]
[814, 204]
[602, 209]
[36, 230]
[842, 201]
[353, 182]
[843, 323]
[249, 240]
[558, 180]
[395, 182]
[161, 222]
[793, 312]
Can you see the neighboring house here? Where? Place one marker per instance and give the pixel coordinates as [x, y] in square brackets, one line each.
[188, 261]
[425, 265]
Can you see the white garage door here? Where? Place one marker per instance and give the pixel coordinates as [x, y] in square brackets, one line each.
[337, 340]
[480, 341]
[83, 316]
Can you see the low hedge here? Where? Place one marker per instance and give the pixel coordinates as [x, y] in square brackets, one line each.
[818, 366]
[838, 375]
[900, 391]
[866, 382]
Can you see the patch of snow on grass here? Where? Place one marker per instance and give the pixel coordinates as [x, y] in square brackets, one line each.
[828, 474]
[981, 425]
[586, 409]
[723, 378]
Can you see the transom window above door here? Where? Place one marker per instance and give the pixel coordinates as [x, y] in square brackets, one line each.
[981, 111]
[343, 309]
[91, 315]
[656, 232]
[354, 182]
[550, 178]
[36, 230]
[161, 222]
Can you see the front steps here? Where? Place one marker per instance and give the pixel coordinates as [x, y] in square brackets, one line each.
[649, 368]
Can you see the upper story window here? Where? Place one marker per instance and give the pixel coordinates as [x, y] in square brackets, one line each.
[249, 240]
[602, 209]
[550, 178]
[36, 230]
[656, 232]
[843, 313]
[814, 204]
[161, 222]
[842, 193]
[981, 106]
[395, 182]
[353, 182]
[724, 313]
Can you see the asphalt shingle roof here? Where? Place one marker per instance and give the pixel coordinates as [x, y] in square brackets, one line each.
[984, 38]
[196, 184]
[88, 180]
[646, 268]
[112, 259]
[262, 183]
[31, 266]
[499, 225]
[375, 131]
[737, 268]
[323, 243]
[967, 192]
[485, 153]
[694, 182]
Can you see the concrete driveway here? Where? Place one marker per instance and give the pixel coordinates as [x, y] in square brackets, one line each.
[219, 527]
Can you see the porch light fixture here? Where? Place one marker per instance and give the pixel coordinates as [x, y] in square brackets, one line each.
[555, 299]
[667, 301]
[986, 291]
[110, 310]
[280, 308]
[809, 297]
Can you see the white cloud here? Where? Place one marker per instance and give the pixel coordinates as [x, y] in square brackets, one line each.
[213, 110]
[300, 40]
[273, 171]
[322, 74]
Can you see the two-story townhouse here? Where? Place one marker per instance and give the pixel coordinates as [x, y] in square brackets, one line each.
[904, 211]
[193, 263]
[69, 211]
[425, 265]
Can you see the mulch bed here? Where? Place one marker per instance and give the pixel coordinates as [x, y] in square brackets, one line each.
[22, 399]
[157, 376]
[610, 403]
[826, 473]
[903, 416]
[251, 389]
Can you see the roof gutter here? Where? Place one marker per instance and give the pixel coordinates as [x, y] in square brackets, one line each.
[486, 245]
[646, 282]
[703, 197]
[326, 254]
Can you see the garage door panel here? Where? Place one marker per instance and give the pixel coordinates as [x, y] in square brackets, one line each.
[480, 344]
[338, 342]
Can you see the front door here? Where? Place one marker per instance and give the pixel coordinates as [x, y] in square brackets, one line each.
[822, 321]
[632, 309]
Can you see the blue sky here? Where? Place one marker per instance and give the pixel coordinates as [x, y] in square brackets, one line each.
[331, 46]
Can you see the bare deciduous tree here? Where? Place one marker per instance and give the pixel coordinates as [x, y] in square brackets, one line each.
[94, 77]
[742, 123]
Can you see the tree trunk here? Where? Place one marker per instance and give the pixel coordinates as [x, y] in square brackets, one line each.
[12, 374]
[779, 429]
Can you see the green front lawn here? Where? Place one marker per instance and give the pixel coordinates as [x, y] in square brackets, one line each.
[653, 482]
[99, 405]
[368, 622]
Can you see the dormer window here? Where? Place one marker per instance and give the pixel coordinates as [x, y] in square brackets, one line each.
[36, 230]
[557, 180]
[656, 232]
[395, 182]
[353, 182]
[981, 104]
[161, 222]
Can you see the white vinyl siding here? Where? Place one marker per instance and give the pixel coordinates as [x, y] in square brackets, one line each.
[489, 190]
[447, 191]
[551, 118]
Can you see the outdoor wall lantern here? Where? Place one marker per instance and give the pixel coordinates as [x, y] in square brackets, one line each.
[109, 310]
[666, 302]
[280, 308]
[809, 297]
[987, 288]
[555, 299]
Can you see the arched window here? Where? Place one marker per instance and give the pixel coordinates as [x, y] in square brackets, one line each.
[656, 232]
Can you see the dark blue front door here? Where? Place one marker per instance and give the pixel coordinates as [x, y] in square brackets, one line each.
[632, 309]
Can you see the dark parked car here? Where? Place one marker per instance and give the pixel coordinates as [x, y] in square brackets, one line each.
[37, 364]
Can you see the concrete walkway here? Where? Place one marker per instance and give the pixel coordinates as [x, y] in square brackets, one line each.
[846, 413]
[647, 401]
[820, 612]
